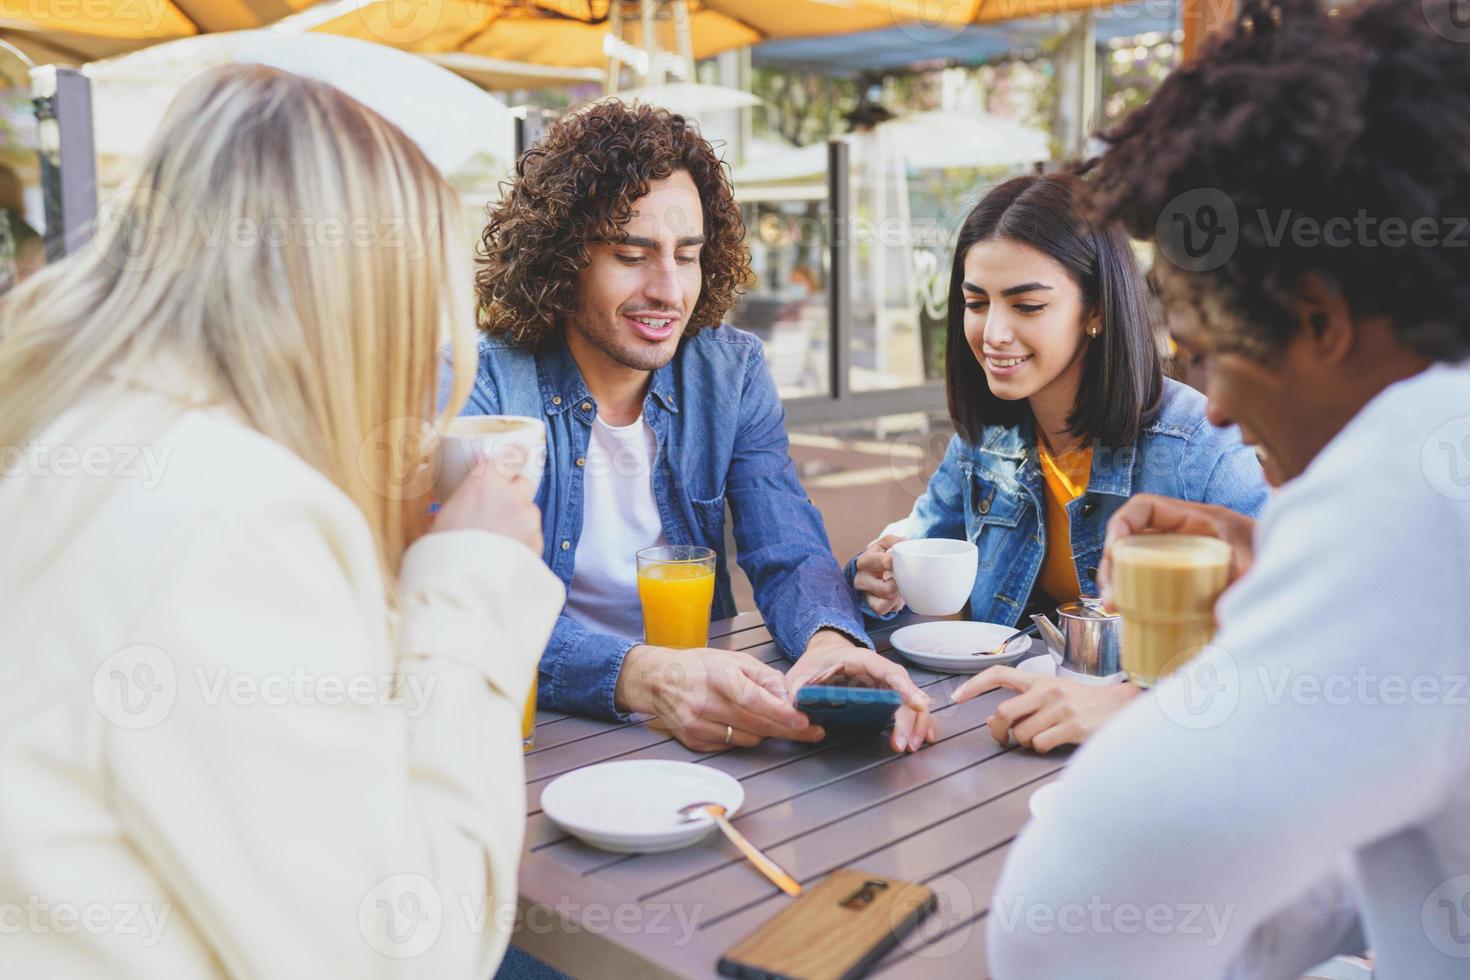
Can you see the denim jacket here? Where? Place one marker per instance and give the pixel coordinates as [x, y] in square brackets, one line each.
[721, 440]
[992, 494]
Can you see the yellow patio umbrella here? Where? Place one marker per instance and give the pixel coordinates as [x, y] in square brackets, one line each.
[552, 33]
[960, 13]
[574, 33]
[86, 30]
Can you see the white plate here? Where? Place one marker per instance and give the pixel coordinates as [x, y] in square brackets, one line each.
[633, 807]
[949, 645]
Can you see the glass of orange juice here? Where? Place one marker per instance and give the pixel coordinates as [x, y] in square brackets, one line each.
[677, 586]
[528, 719]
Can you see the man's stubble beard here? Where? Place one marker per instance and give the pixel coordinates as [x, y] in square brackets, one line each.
[634, 355]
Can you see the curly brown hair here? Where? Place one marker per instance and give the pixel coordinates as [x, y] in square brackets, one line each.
[577, 186]
[1299, 113]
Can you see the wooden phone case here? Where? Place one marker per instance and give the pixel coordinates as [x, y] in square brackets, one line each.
[836, 930]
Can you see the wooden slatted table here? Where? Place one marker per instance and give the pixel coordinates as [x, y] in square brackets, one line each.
[944, 816]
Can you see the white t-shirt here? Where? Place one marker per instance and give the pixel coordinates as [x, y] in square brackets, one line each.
[1330, 718]
[619, 519]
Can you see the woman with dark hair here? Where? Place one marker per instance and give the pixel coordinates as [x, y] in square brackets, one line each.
[1056, 387]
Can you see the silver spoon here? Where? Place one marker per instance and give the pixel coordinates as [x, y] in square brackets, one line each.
[1001, 647]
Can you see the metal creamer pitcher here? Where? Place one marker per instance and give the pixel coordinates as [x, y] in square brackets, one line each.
[1088, 646]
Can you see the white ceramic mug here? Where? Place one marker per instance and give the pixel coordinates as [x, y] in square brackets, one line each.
[514, 444]
[935, 575]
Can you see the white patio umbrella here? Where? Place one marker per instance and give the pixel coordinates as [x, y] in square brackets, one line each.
[964, 139]
[924, 140]
[457, 124]
[691, 99]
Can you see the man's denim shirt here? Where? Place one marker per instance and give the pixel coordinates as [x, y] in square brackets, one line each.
[721, 440]
[992, 494]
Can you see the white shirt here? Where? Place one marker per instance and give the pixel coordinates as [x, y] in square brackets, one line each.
[619, 519]
[1331, 718]
[199, 753]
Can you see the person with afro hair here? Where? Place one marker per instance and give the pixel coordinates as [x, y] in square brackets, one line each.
[1302, 787]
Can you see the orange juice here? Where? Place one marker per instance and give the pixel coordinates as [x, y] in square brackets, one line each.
[528, 719]
[676, 602]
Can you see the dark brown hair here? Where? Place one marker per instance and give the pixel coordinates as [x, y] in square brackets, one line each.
[1122, 371]
[577, 186]
[1291, 114]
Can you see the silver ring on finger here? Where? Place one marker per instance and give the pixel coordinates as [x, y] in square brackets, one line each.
[729, 733]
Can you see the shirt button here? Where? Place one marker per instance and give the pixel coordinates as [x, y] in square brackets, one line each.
[586, 406]
[565, 545]
[556, 400]
[581, 461]
[1088, 508]
[1092, 573]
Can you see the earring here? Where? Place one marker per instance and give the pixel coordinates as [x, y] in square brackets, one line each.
[1094, 331]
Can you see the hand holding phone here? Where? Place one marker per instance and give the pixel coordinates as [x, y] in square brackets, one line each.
[866, 708]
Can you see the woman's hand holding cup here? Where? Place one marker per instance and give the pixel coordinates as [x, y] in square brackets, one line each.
[487, 500]
[874, 578]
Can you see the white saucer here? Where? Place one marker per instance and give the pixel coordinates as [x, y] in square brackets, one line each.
[632, 807]
[1045, 664]
[1041, 799]
[949, 645]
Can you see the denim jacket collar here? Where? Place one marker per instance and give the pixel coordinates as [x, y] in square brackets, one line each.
[562, 386]
[1112, 469]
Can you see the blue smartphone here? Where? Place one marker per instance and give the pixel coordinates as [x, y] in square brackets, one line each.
[848, 707]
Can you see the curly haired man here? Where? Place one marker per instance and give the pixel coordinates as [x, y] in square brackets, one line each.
[605, 271]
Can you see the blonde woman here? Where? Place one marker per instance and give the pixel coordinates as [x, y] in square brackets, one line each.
[256, 721]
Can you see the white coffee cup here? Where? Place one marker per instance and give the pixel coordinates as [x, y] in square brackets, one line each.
[935, 575]
[514, 444]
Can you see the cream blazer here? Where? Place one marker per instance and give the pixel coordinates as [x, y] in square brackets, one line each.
[219, 753]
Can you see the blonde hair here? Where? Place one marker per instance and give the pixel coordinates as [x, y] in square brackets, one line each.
[294, 252]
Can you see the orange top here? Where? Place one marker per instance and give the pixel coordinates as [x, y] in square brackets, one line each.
[1066, 480]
